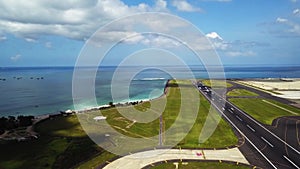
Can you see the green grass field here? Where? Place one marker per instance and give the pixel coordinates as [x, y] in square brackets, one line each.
[216, 83]
[223, 136]
[197, 165]
[262, 110]
[241, 92]
[64, 144]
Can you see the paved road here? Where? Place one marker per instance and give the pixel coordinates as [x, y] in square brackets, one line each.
[273, 150]
[145, 158]
[261, 93]
[288, 128]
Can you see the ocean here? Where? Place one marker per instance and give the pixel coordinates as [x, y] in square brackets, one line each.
[44, 90]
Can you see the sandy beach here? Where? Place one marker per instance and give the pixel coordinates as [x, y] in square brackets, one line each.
[284, 88]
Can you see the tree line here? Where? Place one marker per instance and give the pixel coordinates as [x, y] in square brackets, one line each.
[11, 122]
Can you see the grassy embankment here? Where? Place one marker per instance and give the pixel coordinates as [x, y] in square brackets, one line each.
[223, 136]
[241, 92]
[197, 165]
[263, 110]
[216, 83]
[63, 143]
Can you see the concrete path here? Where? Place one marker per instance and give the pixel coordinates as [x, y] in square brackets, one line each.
[142, 159]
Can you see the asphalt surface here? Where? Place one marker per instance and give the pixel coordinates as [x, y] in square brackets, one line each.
[261, 93]
[262, 146]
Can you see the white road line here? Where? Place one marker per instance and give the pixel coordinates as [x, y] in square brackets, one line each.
[290, 161]
[258, 150]
[267, 142]
[280, 107]
[250, 128]
[230, 111]
[239, 118]
[264, 128]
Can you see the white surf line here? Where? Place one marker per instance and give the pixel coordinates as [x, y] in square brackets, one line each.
[257, 149]
[238, 118]
[265, 140]
[280, 107]
[250, 128]
[290, 161]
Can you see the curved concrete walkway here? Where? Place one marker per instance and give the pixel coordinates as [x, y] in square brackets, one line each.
[142, 159]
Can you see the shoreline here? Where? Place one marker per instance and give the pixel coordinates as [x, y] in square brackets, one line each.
[287, 88]
[31, 133]
[137, 101]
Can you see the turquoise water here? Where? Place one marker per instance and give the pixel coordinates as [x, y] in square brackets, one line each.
[37, 91]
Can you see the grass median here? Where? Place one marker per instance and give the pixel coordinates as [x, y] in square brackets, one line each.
[216, 83]
[241, 92]
[264, 110]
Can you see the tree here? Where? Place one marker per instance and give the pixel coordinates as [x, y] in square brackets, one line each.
[25, 120]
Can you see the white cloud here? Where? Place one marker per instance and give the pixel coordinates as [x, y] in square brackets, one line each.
[281, 20]
[240, 53]
[224, 0]
[294, 1]
[214, 35]
[160, 5]
[15, 58]
[296, 11]
[295, 29]
[2, 38]
[31, 40]
[183, 5]
[74, 19]
[48, 45]
[234, 48]
[217, 41]
[291, 28]
[152, 40]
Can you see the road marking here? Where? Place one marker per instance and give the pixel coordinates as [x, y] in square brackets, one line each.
[264, 128]
[250, 128]
[291, 162]
[260, 125]
[280, 107]
[267, 142]
[238, 118]
[258, 150]
[230, 111]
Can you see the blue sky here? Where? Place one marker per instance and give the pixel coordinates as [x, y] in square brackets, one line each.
[51, 33]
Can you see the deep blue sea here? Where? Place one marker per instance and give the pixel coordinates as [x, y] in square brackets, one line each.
[43, 90]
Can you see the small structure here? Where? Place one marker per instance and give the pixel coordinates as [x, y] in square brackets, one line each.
[69, 112]
[97, 118]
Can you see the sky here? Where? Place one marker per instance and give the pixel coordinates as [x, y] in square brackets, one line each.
[243, 32]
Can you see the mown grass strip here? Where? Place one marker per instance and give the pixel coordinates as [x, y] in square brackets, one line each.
[263, 111]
